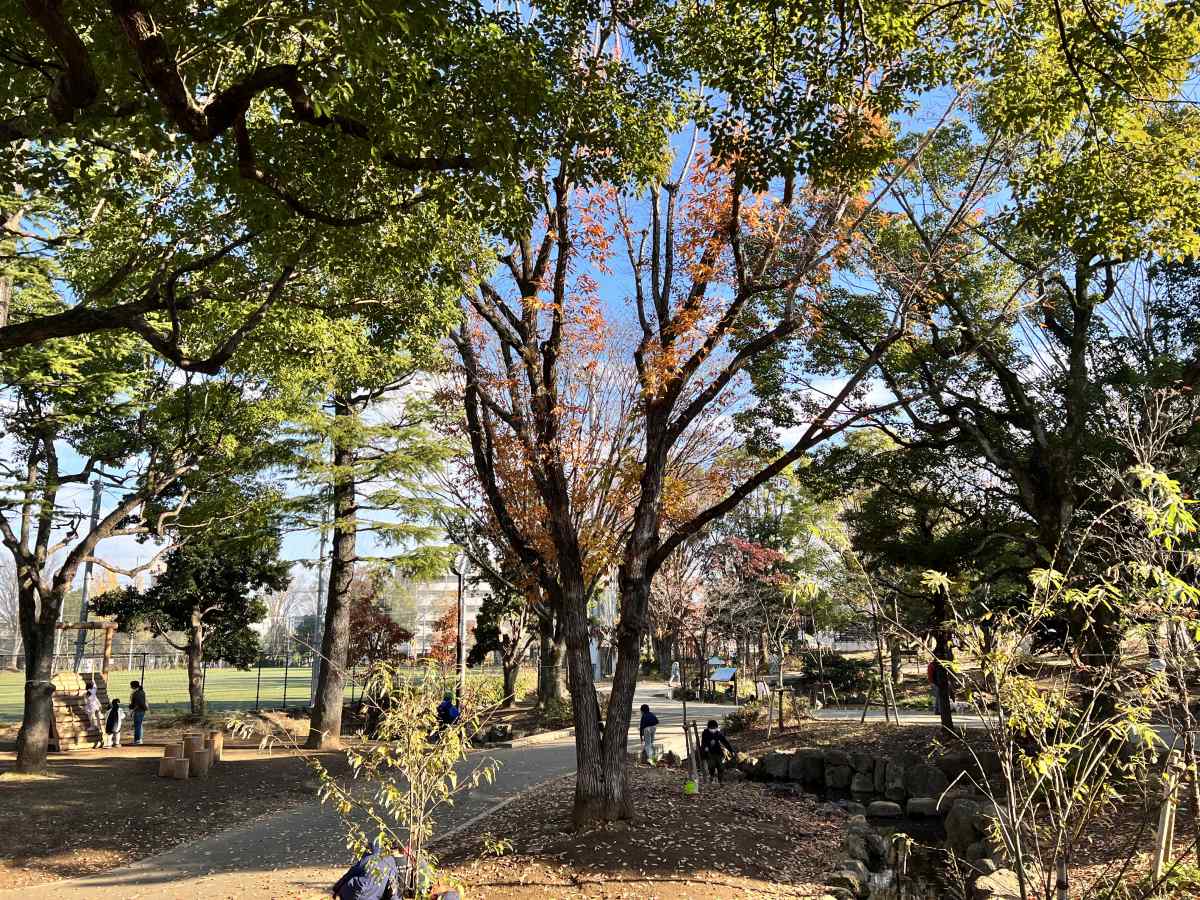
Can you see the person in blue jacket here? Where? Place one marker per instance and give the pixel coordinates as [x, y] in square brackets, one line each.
[371, 878]
[447, 712]
[646, 729]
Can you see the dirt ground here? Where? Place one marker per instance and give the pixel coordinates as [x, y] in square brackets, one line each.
[732, 841]
[98, 809]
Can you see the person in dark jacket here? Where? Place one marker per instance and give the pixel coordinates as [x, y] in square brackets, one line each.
[447, 712]
[373, 877]
[646, 728]
[112, 724]
[137, 703]
[713, 745]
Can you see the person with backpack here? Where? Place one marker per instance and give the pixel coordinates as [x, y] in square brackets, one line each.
[713, 745]
[113, 723]
[137, 703]
[646, 729]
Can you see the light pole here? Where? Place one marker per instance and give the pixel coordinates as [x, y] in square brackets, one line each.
[461, 563]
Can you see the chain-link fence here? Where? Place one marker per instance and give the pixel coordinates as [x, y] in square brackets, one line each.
[282, 676]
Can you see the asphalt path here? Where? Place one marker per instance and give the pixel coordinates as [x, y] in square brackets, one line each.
[299, 853]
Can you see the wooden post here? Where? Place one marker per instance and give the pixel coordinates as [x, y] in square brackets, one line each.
[108, 645]
[692, 751]
[1166, 819]
[867, 705]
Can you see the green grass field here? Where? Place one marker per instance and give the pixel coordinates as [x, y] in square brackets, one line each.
[225, 689]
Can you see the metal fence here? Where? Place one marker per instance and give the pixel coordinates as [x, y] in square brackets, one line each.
[281, 677]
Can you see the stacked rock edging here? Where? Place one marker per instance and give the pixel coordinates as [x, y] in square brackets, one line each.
[895, 778]
[889, 788]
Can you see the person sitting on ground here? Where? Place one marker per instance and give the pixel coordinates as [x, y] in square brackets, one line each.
[646, 728]
[447, 712]
[137, 703]
[92, 709]
[371, 878]
[713, 745]
[112, 724]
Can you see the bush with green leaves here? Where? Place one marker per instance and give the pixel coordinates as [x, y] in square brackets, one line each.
[744, 717]
[490, 688]
[846, 674]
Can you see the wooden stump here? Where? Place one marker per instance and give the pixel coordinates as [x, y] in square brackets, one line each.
[201, 760]
[216, 743]
[193, 741]
[173, 751]
[166, 766]
[179, 767]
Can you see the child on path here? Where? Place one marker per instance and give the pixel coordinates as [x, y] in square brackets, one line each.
[112, 725]
[646, 728]
[713, 745]
[92, 709]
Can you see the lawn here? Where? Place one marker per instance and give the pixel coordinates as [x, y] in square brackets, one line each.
[225, 689]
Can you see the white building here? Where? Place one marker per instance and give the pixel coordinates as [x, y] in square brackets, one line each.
[433, 598]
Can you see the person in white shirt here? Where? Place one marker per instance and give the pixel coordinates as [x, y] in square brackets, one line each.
[92, 709]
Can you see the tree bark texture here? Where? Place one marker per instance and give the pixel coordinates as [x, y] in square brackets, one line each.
[552, 674]
[942, 651]
[33, 740]
[325, 728]
[195, 665]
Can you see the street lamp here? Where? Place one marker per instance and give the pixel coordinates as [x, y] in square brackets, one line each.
[461, 567]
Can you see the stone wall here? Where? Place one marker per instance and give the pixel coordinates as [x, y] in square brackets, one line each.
[889, 788]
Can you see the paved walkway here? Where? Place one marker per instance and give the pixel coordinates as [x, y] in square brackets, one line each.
[299, 853]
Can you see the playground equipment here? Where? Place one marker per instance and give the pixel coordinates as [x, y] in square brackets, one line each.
[71, 729]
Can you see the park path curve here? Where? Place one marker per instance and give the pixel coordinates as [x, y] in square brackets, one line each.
[299, 853]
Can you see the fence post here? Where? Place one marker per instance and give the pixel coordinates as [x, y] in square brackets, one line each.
[258, 683]
[287, 659]
[204, 681]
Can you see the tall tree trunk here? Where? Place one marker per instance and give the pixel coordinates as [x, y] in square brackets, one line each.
[33, 740]
[325, 728]
[552, 673]
[897, 659]
[662, 653]
[511, 668]
[195, 665]
[591, 757]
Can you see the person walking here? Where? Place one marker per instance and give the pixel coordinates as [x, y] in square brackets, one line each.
[113, 723]
[713, 745]
[137, 703]
[646, 729]
[674, 681]
[93, 710]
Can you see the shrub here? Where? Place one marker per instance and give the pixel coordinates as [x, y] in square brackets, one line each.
[744, 718]
[848, 676]
[560, 714]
